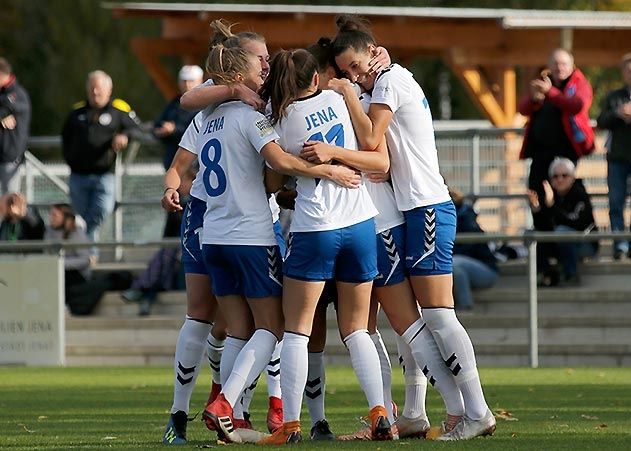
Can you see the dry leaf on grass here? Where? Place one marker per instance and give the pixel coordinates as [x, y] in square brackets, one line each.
[589, 417]
[109, 437]
[433, 433]
[25, 428]
[505, 415]
[601, 426]
[42, 417]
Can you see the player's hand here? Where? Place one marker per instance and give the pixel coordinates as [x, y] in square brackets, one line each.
[9, 122]
[317, 152]
[166, 129]
[339, 85]
[171, 200]
[345, 176]
[549, 194]
[119, 142]
[378, 177]
[380, 60]
[246, 95]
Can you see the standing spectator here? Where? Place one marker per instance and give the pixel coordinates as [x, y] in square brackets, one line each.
[565, 207]
[92, 135]
[174, 120]
[616, 117]
[475, 266]
[557, 106]
[19, 220]
[15, 119]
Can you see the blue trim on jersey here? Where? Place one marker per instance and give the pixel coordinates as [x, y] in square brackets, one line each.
[348, 254]
[391, 256]
[431, 231]
[280, 238]
[190, 231]
[250, 271]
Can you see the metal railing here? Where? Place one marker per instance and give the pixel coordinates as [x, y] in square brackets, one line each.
[530, 239]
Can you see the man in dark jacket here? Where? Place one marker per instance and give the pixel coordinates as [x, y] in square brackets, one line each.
[19, 221]
[174, 120]
[616, 117]
[15, 119]
[92, 135]
[558, 110]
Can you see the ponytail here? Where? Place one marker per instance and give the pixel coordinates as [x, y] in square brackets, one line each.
[291, 72]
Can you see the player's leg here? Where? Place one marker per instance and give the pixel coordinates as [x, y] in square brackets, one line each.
[430, 238]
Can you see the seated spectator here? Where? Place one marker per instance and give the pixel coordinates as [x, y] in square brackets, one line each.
[82, 292]
[474, 265]
[19, 220]
[566, 208]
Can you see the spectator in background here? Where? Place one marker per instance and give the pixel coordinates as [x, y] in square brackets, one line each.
[174, 120]
[93, 133]
[616, 117]
[557, 106]
[475, 266]
[565, 207]
[19, 220]
[15, 119]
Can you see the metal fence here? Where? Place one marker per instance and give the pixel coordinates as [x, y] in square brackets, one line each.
[482, 163]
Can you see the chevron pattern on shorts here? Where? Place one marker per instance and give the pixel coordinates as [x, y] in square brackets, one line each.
[391, 249]
[430, 230]
[290, 241]
[273, 265]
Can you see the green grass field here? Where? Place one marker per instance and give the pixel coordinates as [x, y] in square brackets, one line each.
[126, 408]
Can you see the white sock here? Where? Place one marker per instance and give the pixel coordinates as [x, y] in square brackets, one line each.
[189, 351]
[386, 373]
[273, 372]
[314, 389]
[427, 355]
[365, 362]
[415, 382]
[248, 394]
[246, 400]
[232, 347]
[214, 349]
[250, 362]
[457, 351]
[293, 366]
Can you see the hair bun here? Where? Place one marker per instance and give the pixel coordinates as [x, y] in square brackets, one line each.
[324, 42]
[348, 22]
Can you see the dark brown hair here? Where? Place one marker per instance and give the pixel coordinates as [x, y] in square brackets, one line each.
[322, 53]
[291, 72]
[353, 32]
[69, 224]
[5, 66]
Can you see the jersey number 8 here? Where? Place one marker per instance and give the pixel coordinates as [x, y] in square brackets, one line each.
[212, 166]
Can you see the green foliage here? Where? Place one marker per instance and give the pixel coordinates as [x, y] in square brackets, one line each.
[127, 408]
[53, 45]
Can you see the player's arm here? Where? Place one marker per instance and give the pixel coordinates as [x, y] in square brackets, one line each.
[376, 160]
[206, 94]
[173, 178]
[274, 181]
[285, 163]
[370, 128]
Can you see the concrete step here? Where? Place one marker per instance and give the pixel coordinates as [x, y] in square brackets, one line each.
[599, 266]
[167, 303]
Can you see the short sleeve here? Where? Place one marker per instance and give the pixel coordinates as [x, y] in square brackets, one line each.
[189, 139]
[259, 131]
[389, 89]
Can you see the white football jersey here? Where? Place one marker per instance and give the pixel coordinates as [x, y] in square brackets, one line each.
[382, 194]
[322, 204]
[189, 142]
[413, 156]
[231, 167]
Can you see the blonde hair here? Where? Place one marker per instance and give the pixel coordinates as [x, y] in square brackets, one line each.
[223, 64]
